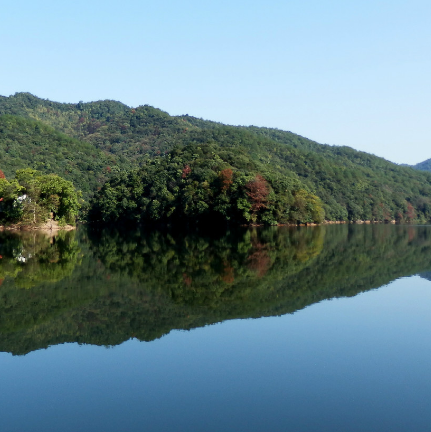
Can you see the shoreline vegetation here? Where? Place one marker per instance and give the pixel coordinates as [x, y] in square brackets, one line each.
[36, 201]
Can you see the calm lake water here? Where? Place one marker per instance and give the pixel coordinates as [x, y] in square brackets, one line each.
[280, 329]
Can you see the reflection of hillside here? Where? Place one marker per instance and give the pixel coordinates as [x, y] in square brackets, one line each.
[146, 285]
[425, 275]
[31, 258]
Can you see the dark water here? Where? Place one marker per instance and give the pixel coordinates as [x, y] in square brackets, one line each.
[110, 331]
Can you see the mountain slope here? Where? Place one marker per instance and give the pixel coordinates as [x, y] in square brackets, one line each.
[352, 185]
[108, 125]
[29, 143]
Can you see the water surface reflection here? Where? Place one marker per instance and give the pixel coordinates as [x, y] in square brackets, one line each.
[105, 287]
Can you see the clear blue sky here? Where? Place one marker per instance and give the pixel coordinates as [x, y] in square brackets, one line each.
[354, 73]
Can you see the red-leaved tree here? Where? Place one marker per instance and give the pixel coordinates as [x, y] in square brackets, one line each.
[258, 191]
[186, 171]
[411, 213]
[226, 179]
[2, 174]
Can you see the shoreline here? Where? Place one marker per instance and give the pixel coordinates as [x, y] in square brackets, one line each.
[50, 226]
[327, 222]
[53, 226]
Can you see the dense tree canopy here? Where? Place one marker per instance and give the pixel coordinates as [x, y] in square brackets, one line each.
[206, 182]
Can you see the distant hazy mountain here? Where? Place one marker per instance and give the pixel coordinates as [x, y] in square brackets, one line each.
[423, 166]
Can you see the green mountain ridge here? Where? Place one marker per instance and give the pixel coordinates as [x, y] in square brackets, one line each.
[352, 185]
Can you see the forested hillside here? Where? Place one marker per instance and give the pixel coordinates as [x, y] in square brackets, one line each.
[352, 185]
[108, 125]
[26, 143]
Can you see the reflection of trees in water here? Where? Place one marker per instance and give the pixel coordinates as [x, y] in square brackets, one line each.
[259, 259]
[199, 269]
[31, 258]
[146, 284]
